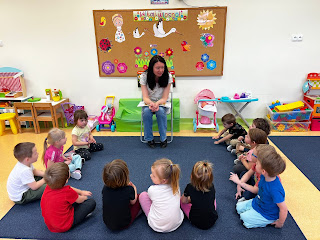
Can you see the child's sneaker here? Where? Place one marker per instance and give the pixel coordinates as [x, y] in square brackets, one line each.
[234, 151]
[83, 160]
[236, 161]
[229, 148]
[76, 174]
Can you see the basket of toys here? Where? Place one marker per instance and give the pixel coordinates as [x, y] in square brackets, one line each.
[69, 112]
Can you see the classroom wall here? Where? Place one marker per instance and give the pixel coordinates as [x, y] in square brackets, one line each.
[53, 42]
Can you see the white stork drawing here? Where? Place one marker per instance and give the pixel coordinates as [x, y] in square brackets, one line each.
[136, 33]
[159, 32]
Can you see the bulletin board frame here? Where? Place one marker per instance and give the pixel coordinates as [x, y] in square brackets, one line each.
[191, 40]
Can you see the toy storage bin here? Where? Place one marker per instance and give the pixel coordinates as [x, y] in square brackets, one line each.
[291, 116]
[289, 126]
[315, 124]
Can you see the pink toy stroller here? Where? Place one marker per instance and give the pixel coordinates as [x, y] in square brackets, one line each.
[69, 112]
[106, 117]
[206, 112]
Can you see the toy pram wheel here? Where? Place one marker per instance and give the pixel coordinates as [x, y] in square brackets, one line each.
[98, 128]
[113, 128]
[194, 127]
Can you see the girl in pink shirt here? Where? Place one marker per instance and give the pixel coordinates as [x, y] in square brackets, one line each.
[54, 153]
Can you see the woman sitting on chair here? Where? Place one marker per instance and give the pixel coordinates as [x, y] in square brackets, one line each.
[155, 85]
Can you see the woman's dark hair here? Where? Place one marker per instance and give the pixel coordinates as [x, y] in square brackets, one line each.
[164, 79]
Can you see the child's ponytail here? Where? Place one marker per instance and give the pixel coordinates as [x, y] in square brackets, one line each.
[175, 175]
[45, 147]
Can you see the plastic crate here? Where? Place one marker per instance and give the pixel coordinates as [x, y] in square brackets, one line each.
[289, 126]
[292, 116]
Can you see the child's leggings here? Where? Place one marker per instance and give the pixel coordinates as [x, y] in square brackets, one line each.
[81, 210]
[145, 202]
[186, 207]
[86, 153]
[76, 163]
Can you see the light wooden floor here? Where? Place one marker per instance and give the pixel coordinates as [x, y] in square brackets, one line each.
[302, 197]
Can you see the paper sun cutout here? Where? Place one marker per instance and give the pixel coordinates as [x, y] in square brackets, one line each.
[206, 19]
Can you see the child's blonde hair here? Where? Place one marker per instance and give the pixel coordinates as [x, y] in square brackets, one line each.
[57, 175]
[165, 169]
[54, 135]
[201, 176]
[116, 174]
[270, 160]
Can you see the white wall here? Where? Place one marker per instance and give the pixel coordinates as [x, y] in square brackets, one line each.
[53, 42]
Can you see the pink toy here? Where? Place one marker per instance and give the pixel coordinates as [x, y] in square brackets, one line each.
[206, 112]
[106, 117]
[236, 96]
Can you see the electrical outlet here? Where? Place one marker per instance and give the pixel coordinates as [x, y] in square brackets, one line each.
[296, 37]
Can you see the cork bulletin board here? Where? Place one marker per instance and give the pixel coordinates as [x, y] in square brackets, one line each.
[191, 40]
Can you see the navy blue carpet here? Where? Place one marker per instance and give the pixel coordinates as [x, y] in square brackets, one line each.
[27, 222]
[303, 152]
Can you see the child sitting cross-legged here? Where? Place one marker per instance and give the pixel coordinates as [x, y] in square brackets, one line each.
[25, 183]
[259, 123]
[120, 201]
[244, 161]
[269, 206]
[231, 131]
[54, 153]
[63, 206]
[198, 200]
[161, 203]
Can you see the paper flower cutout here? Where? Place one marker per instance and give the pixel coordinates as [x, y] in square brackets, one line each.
[137, 50]
[108, 67]
[145, 67]
[169, 52]
[154, 51]
[136, 66]
[161, 54]
[205, 57]
[207, 39]
[122, 67]
[116, 61]
[146, 53]
[199, 66]
[211, 65]
[172, 67]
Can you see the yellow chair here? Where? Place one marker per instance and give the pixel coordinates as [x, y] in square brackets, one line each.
[11, 117]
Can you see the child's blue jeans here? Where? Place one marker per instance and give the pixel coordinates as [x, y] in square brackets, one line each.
[162, 123]
[76, 163]
[250, 217]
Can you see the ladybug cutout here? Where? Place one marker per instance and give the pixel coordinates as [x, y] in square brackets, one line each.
[105, 45]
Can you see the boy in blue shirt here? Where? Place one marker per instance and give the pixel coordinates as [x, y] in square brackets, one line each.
[269, 206]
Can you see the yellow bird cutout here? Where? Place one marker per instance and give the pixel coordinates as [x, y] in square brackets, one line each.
[103, 21]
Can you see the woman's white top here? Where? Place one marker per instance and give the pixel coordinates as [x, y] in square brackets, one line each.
[157, 92]
[165, 214]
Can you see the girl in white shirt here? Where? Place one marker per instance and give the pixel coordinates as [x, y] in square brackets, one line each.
[161, 203]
